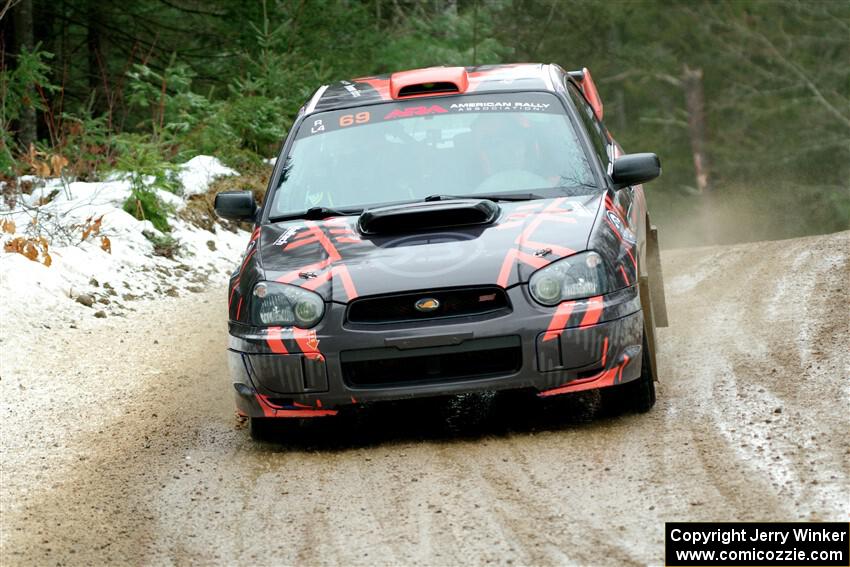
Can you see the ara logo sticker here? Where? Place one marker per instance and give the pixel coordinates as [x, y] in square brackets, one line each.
[416, 111]
[283, 238]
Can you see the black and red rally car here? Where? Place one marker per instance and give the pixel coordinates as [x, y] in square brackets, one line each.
[441, 231]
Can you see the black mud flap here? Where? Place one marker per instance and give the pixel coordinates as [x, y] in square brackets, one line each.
[656, 279]
[649, 323]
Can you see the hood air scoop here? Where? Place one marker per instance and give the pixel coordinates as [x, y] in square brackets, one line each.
[427, 216]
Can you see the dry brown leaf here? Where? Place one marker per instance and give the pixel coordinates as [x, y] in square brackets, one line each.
[57, 163]
[14, 245]
[9, 226]
[105, 244]
[41, 169]
[92, 228]
[30, 251]
[28, 248]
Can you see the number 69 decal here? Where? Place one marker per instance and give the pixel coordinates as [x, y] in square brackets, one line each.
[349, 119]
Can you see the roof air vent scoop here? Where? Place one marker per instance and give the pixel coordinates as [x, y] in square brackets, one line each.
[429, 82]
[427, 216]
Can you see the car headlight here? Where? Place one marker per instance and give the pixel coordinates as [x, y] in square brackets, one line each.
[578, 276]
[286, 305]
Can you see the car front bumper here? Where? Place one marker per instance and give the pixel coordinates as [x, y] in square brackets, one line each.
[578, 345]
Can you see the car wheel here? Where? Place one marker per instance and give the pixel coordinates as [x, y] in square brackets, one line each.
[263, 428]
[635, 396]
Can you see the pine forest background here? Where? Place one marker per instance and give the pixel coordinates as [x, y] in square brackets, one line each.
[746, 102]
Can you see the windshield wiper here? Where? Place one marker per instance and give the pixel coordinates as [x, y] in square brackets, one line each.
[495, 197]
[317, 213]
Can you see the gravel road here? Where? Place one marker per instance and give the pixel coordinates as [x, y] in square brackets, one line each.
[120, 445]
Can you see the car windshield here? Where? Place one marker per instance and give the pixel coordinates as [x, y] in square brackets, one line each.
[406, 151]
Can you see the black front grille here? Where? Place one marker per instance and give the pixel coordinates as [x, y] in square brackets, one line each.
[451, 303]
[474, 359]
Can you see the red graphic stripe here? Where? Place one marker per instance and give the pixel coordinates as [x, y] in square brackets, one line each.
[347, 283]
[559, 320]
[622, 366]
[274, 340]
[505, 271]
[533, 225]
[611, 205]
[245, 261]
[302, 413]
[509, 263]
[317, 281]
[626, 245]
[272, 410]
[593, 312]
[530, 206]
[625, 275]
[300, 242]
[523, 240]
[232, 293]
[333, 254]
[239, 307]
[382, 86]
[604, 378]
[629, 252]
[604, 351]
[316, 234]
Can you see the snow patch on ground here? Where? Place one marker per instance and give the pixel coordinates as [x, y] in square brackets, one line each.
[37, 296]
[197, 174]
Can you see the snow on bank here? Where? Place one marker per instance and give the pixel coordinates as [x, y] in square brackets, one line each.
[197, 174]
[36, 295]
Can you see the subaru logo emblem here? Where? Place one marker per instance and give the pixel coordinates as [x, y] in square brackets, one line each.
[427, 304]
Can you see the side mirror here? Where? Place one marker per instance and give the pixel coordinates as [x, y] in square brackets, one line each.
[235, 205]
[634, 169]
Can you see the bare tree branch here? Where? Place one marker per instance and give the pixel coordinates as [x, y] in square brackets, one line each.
[8, 6]
[795, 70]
[804, 78]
